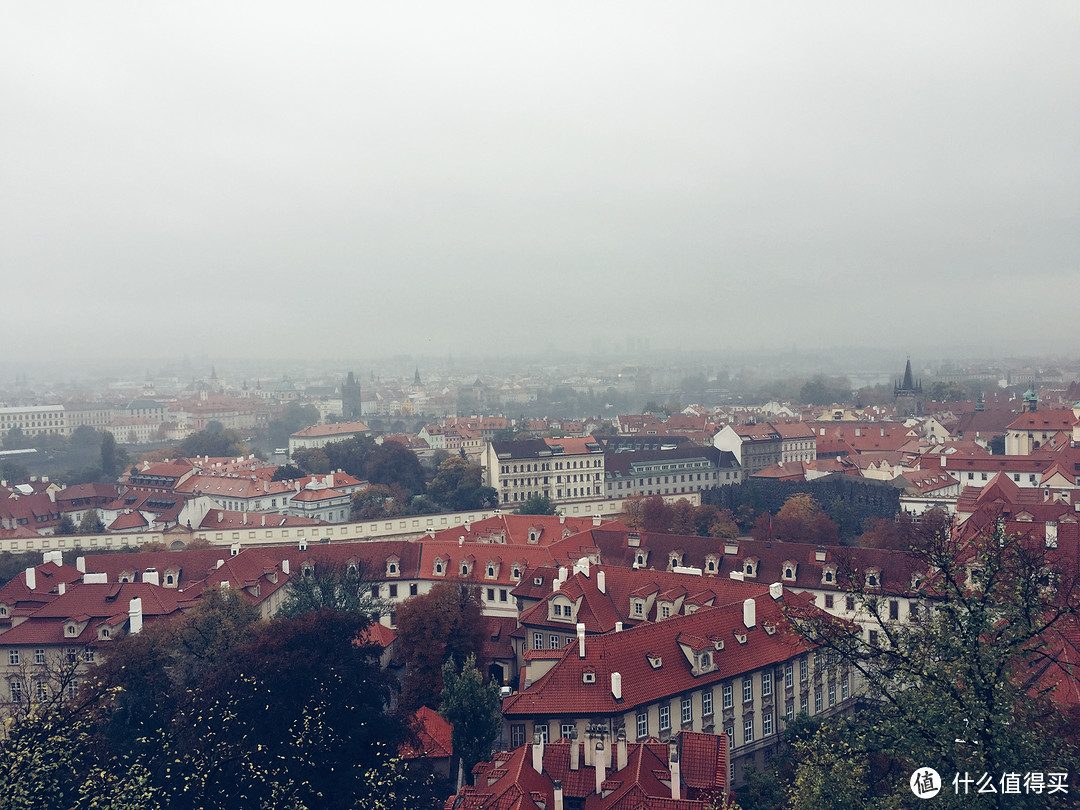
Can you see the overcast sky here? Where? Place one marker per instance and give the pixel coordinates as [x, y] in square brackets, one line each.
[365, 179]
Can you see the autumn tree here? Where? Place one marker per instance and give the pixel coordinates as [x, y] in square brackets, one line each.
[681, 518]
[447, 622]
[473, 708]
[968, 683]
[633, 512]
[375, 502]
[459, 486]
[801, 520]
[391, 463]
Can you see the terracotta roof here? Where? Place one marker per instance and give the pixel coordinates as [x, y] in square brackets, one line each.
[434, 734]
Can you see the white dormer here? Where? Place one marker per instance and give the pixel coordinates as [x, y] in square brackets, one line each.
[788, 570]
[393, 566]
[712, 564]
[828, 575]
[561, 609]
[491, 570]
[439, 566]
[750, 566]
[873, 577]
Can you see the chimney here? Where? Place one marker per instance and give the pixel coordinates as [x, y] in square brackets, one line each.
[219, 564]
[581, 640]
[235, 548]
[616, 685]
[285, 566]
[943, 457]
[596, 520]
[621, 753]
[467, 525]
[749, 613]
[601, 582]
[562, 518]
[135, 615]
[601, 765]
[538, 756]
[54, 556]
[575, 755]
[558, 794]
[31, 579]
[80, 564]
[150, 576]
[563, 573]
[676, 775]
[555, 584]
[776, 590]
[61, 588]
[618, 627]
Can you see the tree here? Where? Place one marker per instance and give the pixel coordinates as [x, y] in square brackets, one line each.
[84, 436]
[333, 587]
[374, 502]
[295, 417]
[313, 460]
[16, 439]
[287, 472]
[447, 622]
[459, 486]
[392, 463]
[111, 461]
[91, 523]
[682, 517]
[801, 520]
[474, 710]
[215, 442]
[964, 686]
[66, 526]
[633, 512]
[537, 505]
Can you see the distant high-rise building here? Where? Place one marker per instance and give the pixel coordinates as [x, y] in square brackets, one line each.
[350, 398]
[908, 394]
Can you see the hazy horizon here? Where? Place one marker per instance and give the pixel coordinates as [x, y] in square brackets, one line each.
[486, 179]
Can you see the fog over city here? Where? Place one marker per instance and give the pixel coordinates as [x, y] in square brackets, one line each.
[275, 180]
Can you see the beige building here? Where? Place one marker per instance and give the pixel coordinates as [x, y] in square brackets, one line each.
[565, 470]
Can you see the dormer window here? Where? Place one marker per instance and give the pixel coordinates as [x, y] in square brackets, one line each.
[705, 660]
[789, 569]
[740, 637]
[639, 608]
[538, 580]
[439, 568]
[828, 575]
[104, 632]
[750, 567]
[70, 629]
[674, 561]
[391, 568]
[515, 573]
[3, 610]
[640, 561]
[655, 661]
[588, 676]
[710, 564]
[464, 569]
[873, 577]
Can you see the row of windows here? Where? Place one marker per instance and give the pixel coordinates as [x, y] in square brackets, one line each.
[71, 655]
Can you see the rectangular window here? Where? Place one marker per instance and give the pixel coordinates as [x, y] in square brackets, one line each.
[686, 713]
[642, 725]
[72, 655]
[16, 691]
[42, 690]
[553, 642]
[566, 730]
[766, 684]
[706, 702]
[88, 655]
[789, 675]
[72, 689]
[850, 603]
[817, 701]
[393, 591]
[540, 733]
[748, 730]
[538, 641]
[894, 610]
[804, 704]
[832, 695]
[517, 735]
[665, 717]
[413, 591]
[39, 656]
[491, 594]
[747, 689]
[766, 724]
[828, 601]
[13, 657]
[789, 711]
[729, 700]
[844, 689]
[804, 670]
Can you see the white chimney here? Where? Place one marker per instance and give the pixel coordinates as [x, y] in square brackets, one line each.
[135, 615]
[616, 685]
[618, 627]
[31, 578]
[676, 776]
[575, 755]
[601, 582]
[943, 458]
[55, 556]
[285, 566]
[621, 754]
[563, 573]
[558, 794]
[596, 520]
[819, 555]
[601, 766]
[538, 756]
[749, 613]
[234, 549]
[736, 575]
[219, 564]
[80, 564]
[95, 578]
[150, 575]
[581, 640]
[776, 590]
[467, 525]
[61, 588]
